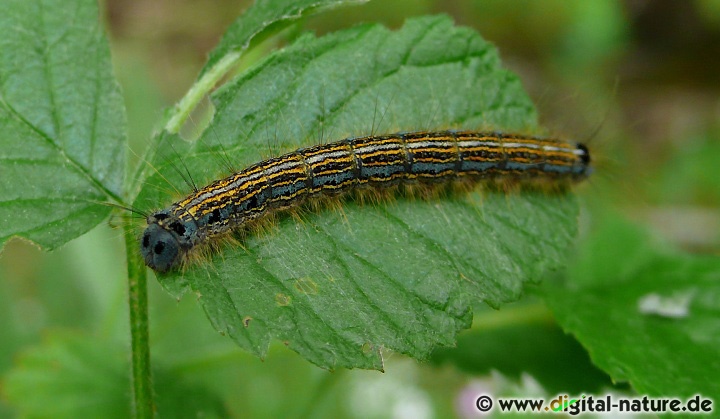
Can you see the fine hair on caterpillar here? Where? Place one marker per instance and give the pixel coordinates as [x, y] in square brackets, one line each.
[176, 234]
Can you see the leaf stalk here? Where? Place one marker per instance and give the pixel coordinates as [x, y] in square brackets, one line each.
[143, 403]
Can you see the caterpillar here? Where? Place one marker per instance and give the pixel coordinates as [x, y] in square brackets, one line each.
[375, 161]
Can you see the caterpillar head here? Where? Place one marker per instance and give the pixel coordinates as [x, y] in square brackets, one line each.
[166, 241]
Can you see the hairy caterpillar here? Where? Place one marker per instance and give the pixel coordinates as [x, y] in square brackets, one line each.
[373, 161]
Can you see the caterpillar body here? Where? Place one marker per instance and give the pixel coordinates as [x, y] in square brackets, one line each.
[376, 161]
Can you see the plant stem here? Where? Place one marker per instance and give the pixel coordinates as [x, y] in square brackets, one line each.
[143, 404]
[534, 313]
[201, 88]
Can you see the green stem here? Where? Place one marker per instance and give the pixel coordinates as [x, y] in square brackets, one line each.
[144, 406]
[534, 313]
[201, 88]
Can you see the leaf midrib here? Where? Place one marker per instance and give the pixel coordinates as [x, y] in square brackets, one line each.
[72, 162]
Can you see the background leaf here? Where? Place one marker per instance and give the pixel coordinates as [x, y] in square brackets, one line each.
[257, 22]
[69, 377]
[74, 375]
[341, 285]
[647, 316]
[263, 15]
[524, 339]
[62, 146]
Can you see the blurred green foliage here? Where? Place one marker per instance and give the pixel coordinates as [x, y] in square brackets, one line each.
[610, 63]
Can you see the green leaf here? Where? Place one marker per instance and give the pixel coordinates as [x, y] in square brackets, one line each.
[260, 20]
[70, 376]
[690, 177]
[62, 147]
[647, 316]
[342, 285]
[521, 340]
[262, 16]
[78, 376]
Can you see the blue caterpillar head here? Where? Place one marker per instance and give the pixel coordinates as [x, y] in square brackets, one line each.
[166, 240]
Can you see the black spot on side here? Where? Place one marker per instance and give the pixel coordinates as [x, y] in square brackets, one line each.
[214, 216]
[178, 228]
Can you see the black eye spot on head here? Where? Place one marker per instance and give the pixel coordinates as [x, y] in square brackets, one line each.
[160, 216]
[585, 156]
[159, 247]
